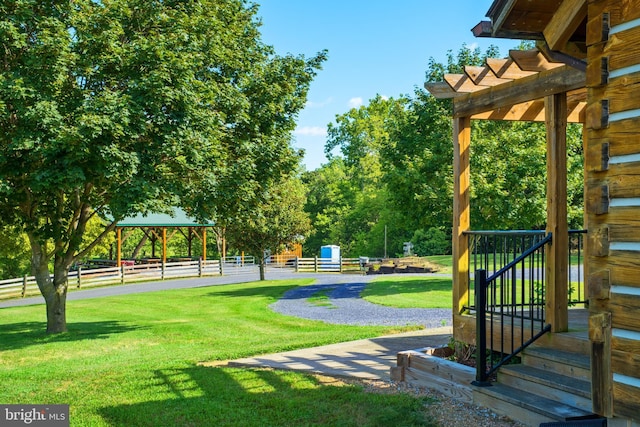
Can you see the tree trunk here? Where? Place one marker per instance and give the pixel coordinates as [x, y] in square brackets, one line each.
[54, 290]
[262, 268]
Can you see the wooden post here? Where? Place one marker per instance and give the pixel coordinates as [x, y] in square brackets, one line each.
[200, 268]
[296, 265]
[221, 263]
[558, 250]
[315, 264]
[122, 274]
[204, 244]
[79, 276]
[24, 286]
[601, 375]
[119, 247]
[164, 246]
[461, 214]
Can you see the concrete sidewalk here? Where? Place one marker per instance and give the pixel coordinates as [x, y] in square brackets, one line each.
[364, 359]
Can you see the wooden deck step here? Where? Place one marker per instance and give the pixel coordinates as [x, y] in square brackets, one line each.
[561, 388]
[526, 407]
[574, 365]
[575, 342]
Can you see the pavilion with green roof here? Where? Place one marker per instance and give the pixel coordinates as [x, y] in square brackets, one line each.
[155, 226]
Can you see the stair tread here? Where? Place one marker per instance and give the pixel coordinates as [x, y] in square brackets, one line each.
[576, 386]
[574, 359]
[547, 407]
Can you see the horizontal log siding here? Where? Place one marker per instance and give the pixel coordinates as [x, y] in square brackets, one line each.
[612, 163]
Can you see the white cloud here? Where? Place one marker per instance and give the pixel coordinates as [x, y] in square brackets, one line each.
[311, 131]
[473, 46]
[312, 104]
[384, 97]
[355, 102]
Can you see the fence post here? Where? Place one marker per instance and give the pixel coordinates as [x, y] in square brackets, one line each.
[221, 263]
[200, 267]
[24, 286]
[340, 261]
[315, 264]
[122, 274]
[79, 276]
[481, 329]
[162, 270]
[296, 265]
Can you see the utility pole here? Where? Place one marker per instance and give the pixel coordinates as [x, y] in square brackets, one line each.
[385, 241]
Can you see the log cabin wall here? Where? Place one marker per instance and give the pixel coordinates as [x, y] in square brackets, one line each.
[613, 204]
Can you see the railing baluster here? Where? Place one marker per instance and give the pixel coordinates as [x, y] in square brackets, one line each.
[481, 328]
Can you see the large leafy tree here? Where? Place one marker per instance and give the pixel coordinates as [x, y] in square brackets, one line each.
[120, 106]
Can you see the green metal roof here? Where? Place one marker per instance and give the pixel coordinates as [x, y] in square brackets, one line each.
[178, 219]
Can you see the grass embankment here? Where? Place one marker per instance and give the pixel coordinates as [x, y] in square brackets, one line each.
[133, 360]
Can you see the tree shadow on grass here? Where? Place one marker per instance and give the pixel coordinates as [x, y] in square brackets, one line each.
[250, 291]
[15, 336]
[383, 288]
[205, 396]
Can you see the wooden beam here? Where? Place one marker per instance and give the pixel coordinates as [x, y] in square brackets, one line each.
[483, 76]
[532, 111]
[507, 68]
[557, 252]
[532, 60]
[461, 212]
[441, 90]
[462, 83]
[506, 6]
[558, 80]
[564, 23]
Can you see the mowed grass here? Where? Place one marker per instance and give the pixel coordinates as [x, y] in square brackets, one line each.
[134, 360]
[410, 292]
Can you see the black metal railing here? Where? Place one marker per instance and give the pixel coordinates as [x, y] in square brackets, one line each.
[509, 296]
[508, 289]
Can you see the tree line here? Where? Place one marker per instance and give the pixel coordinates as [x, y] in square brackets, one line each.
[389, 178]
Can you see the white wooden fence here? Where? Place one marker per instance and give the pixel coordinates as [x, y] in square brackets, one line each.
[327, 265]
[87, 277]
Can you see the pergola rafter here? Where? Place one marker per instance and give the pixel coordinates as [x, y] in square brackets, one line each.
[513, 88]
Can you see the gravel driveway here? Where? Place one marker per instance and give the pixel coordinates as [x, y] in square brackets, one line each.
[347, 308]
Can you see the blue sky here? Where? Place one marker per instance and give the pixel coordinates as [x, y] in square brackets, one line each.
[375, 47]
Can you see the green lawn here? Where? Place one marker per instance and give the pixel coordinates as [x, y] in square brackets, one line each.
[133, 360]
[410, 292]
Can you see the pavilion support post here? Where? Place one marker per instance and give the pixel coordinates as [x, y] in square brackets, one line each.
[204, 244]
[557, 252]
[461, 214]
[118, 246]
[164, 245]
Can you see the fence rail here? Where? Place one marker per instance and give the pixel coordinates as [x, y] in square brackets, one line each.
[130, 273]
[90, 277]
[328, 265]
